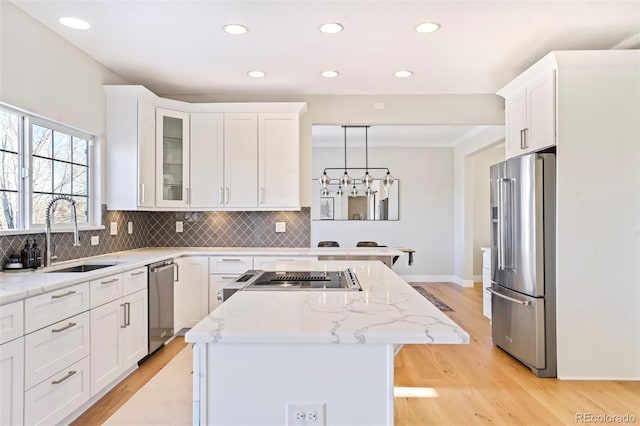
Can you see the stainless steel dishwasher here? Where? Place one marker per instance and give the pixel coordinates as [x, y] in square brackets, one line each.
[161, 278]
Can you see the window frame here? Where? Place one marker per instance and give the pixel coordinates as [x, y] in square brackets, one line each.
[25, 222]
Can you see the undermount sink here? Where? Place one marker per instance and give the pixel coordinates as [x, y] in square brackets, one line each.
[84, 267]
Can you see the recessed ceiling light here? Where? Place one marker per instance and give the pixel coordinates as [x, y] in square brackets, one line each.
[330, 74]
[427, 27]
[331, 28]
[403, 73]
[75, 23]
[256, 74]
[235, 29]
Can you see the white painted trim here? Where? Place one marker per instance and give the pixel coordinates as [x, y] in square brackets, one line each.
[462, 282]
[612, 378]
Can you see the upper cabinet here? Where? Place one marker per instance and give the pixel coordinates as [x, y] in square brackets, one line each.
[131, 129]
[209, 156]
[530, 108]
[278, 161]
[172, 158]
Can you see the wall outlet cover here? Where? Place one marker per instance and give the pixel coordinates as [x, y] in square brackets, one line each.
[305, 414]
[281, 227]
[114, 228]
[130, 227]
[179, 226]
[95, 240]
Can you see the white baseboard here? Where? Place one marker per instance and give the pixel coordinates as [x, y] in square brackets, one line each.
[462, 282]
[477, 278]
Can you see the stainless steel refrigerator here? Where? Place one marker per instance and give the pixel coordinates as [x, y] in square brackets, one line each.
[523, 240]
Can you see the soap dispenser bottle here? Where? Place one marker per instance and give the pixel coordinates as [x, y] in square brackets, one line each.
[37, 255]
[25, 255]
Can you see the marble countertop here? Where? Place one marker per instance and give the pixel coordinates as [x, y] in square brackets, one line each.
[20, 285]
[388, 310]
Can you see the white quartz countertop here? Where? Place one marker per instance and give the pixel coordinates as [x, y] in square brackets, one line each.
[20, 285]
[388, 310]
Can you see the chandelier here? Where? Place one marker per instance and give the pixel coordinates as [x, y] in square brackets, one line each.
[346, 181]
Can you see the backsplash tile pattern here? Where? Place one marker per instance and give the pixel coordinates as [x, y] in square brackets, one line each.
[157, 229]
[230, 229]
[62, 243]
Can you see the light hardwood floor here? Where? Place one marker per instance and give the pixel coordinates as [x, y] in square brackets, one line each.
[465, 384]
[480, 384]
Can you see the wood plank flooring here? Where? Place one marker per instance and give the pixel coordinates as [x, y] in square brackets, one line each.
[480, 384]
[466, 384]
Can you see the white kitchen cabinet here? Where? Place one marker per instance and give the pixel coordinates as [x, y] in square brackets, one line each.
[207, 160]
[486, 282]
[277, 262]
[191, 291]
[119, 328]
[130, 160]
[48, 308]
[58, 396]
[53, 348]
[530, 108]
[278, 160]
[240, 187]
[172, 158]
[12, 382]
[11, 321]
[223, 270]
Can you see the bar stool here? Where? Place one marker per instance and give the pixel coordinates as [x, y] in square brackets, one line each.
[367, 244]
[328, 244]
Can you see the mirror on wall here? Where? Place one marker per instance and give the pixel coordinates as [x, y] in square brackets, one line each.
[381, 204]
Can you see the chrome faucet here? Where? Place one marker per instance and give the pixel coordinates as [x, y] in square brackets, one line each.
[47, 226]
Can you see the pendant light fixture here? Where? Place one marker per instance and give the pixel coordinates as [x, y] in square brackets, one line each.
[346, 181]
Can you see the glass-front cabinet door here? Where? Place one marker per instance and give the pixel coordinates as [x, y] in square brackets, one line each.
[172, 156]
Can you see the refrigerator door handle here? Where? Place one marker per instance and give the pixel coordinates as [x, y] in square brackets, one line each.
[511, 299]
[501, 260]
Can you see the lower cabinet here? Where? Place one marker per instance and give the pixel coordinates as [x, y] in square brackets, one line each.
[12, 382]
[486, 282]
[58, 396]
[191, 292]
[118, 338]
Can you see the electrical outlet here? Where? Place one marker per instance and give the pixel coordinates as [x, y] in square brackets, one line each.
[305, 414]
[95, 240]
[281, 227]
[130, 227]
[114, 228]
[179, 226]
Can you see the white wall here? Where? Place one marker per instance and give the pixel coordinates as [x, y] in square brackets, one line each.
[486, 136]
[598, 215]
[44, 74]
[481, 236]
[425, 205]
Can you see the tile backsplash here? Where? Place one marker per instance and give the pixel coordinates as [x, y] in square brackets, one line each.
[158, 229]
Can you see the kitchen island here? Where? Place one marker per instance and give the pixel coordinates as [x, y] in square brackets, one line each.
[311, 357]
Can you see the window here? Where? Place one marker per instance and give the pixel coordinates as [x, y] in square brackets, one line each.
[55, 160]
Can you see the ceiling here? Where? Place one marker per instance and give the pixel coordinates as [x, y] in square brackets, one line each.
[179, 47]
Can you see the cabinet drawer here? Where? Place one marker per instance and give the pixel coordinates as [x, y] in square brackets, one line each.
[11, 321]
[46, 309]
[106, 289]
[276, 262]
[230, 264]
[51, 349]
[133, 281]
[58, 396]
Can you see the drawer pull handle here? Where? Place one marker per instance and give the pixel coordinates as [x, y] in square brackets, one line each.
[232, 260]
[66, 327]
[69, 374]
[58, 296]
[109, 282]
[228, 278]
[137, 273]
